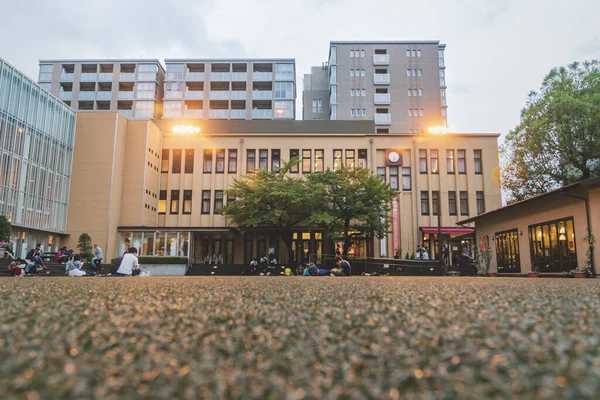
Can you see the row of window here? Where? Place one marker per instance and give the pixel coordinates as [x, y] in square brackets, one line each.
[452, 209]
[358, 92]
[357, 72]
[317, 106]
[415, 92]
[357, 112]
[450, 161]
[185, 207]
[394, 182]
[414, 72]
[359, 53]
[413, 53]
[414, 112]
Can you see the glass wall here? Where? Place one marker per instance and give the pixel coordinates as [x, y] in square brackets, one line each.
[507, 251]
[174, 244]
[553, 246]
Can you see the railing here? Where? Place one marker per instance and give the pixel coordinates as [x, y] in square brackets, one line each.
[239, 76]
[262, 113]
[127, 76]
[195, 76]
[105, 76]
[220, 76]
[382, 98]
[88, 77]
[238, 95]
[125, 95]
[238, 114]
[262, 94]
[87, 95]
[383, 119]
[219, 95]
[66, 76]
[284, 76]
[262, 76]
[127, 113]
[172, 113]
[194, 113]
[173, 94]
[65, 95]
[381, 79]
[103, 95]
[147, 76]
[381, 59]
[218, 114]
[194, 94]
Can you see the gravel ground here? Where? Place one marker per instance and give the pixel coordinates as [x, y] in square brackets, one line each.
[299, 337]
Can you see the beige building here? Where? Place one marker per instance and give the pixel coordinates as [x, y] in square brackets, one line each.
[159, 185]
[546, 234]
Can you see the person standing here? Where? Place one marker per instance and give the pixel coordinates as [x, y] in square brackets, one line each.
[97, 255]
[130, 265]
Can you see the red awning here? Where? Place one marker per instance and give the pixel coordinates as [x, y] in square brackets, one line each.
[449, 231]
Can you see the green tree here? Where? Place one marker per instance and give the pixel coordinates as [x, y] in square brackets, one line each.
[351, 202]
[271, 199]
[84, 244]
[5, 229]
[557, 141]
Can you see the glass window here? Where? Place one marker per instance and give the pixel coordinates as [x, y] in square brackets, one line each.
[435, 205]
[408, 71]
[362, 158]
[480, 202]
[263, 159]
[462, 166]
[306, 156]
[423, 161]
[218, 201]
[162, 202]
[319, 154]
[283, 109]
[351, 53]
[207, 163]
[205, 202]
[294, 153]
[187, 202]
[433, 159]
[424, 202]
[284, 90]
[337, 159]
[464, 203]
[174, 202]
[450, 161]
[413, 53]
[362, 72]
[394, 178]
[189, 161]
[452, 203]
[507, 251]
[553, 246]
[406, 179]
[418, 53]
[314, 105]
[362, 53]
[350, 159]
[351, 71]
[351, 92]
[320, 105]
[250, 160]
[478, 169]
[409, 92]
[275, 159]
[176, 161]
[407, 53]
[284, 71]
[232, 162]
[164, 166]
[381, 173]
[220, 161]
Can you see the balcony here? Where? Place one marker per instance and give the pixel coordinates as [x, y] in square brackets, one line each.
[381, 79]
[219, 95]
[65, 95]
[382, 98]
[66, 77]
[105, 77]
[172, 113]
[195, 76]
[238, 95]
[173, 94]
[104, 95]
[88, 77]
[239, 76]
[127, 113]
[262, 94]
[381, 59]
[238, 114]
[125, 95]
[127, 76]
[218, 114]
[262, 113]
[195, 113]
[220, 76]
[86, 95]
[383, 119]
[194, 95]
[263, 76]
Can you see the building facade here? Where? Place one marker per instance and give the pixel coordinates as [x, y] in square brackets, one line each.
[37, 134]
[166, 184]
[132, 87]
[315, 94]
[230, 89]
[400, 85]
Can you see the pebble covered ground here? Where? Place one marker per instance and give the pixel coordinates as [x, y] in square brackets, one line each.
[299, 337]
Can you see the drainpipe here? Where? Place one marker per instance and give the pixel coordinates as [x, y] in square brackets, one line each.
[589, 226]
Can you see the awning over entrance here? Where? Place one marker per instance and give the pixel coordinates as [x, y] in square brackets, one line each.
[449, 231]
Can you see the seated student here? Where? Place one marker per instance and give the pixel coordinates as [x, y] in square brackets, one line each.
[130, 265]
[343, 267]
[73, 268]
[62, 255]
[14, 268]
[35, 265]
[313, 270]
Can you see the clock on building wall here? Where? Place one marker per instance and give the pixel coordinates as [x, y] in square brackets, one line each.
[393, 157]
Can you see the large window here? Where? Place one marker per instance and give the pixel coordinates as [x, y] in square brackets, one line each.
[207, 164]
[162, 202]
[275, 159]
[263, 158]
[433, 159]
[478, 168]
[406, 186]
[164, 165]
[362, 158]
[337, 159]
[250, 160]
[553, 246]
[464, 203]
[220, 161]
[218, 201]
[174, 202]
[394, 178]
[232, 162]
[205, 202]
[176, 161]
[452, 203]
[450, 161]
[424, 202]
[319, 160]
[189, 161]
[283, 109]
[462, 166]
[423, 161]
[306, 155]
[294, 153]
[284, 90]
[480, 202]
[381, 174]
[187, 202]
[507, 251]
[350, 159]
[435, 202]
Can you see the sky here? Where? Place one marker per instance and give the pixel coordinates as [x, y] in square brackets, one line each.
[497, 50]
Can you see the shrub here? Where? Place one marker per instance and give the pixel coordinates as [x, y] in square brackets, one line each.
[84, 244]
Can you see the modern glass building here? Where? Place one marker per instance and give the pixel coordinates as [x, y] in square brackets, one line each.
[37, 134]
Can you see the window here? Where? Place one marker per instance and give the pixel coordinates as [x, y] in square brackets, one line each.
[424, 203]
[418, 53]
[362, 158]
[414, 72]
[352, 92]
[352, 112]
[205, 202]
[362, 72]
[320, 105]
[406, 179]
[189, 161]
[218, 202]
[314, 105]
[450, 161]
[381, 174]
[507, 251]
[394, 178]
[350, 158]
[284, 90]
[351, 53]
[306, 155]
[275, 159]
[232, 162]
[187, 202]
[410, 113]
[263, 159]
[421, 112]
[433, 160]
[230, 199]
[462, 166]
[162, 202]
[174, 202]
[319, 160]
[351, 72]
[464, 203]
[409, 92]
[364, 113]
[407, 53]
[250, 160]
[553, 246]
[294, 154]
[362, 53]
[420, 72]
[408, 72]
[220, 161]
[164, 166]
[207, 165]
[414, 92]
[363, 92]
[477, 159]
[480, 202]
[337, 159]
[176, 161]
[435, 202]
[452, 203]
[423, 161]
[413, 53]
[420, 92]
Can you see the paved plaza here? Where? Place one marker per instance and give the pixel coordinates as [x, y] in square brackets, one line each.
[297, 337]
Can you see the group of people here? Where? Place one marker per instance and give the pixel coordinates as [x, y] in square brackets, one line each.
[342, 268]
[422, 253]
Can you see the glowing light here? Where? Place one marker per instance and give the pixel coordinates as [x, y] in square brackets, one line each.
[186, 129]
[439, 129]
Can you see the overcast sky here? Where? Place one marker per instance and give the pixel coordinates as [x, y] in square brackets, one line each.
[497, 50]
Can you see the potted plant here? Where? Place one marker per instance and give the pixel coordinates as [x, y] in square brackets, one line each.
[582, 272]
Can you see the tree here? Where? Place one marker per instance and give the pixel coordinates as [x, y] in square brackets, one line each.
[271, 199]
[84, 244]
[5, 229]
[351, 202]
[557, 141]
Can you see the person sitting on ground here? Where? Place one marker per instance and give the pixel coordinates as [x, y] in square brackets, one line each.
[343, 267]
[313, 270]
[14, 268]
[130, 265]
[74, 268]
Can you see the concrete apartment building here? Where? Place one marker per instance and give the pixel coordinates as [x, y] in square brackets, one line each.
[160, 187]
[230, 89]
[315, 95]
[401, 85]
[37, 134]
[132, 87]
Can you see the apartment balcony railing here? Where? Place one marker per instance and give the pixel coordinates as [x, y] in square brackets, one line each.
[88, 77]
[86, 95]
[219, 95]
[127, 76]
[65, 95]
[195, 76]
[104, 95]
[173, 94]
[238, 95]
[147, 76]
[194, 94]
[66, 77]
[195, 113]
[125, 95]
[262, 113]
[220, 76]
[262, 94]
[382, 98]
[218, 114]
[239, 76]
[105, 77]
[381, 79]
[381, 59]
[172, 113]
[238, 114]
[127, 113]
[383, 119]
[262, 76]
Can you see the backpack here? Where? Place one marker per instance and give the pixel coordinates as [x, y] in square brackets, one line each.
[115, 265]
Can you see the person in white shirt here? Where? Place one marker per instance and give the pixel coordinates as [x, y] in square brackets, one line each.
[130, 265]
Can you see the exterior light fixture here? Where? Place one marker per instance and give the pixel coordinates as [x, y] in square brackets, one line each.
[186, 129]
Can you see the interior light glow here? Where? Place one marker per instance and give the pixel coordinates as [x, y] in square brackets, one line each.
[439, 129]
[186, 129]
